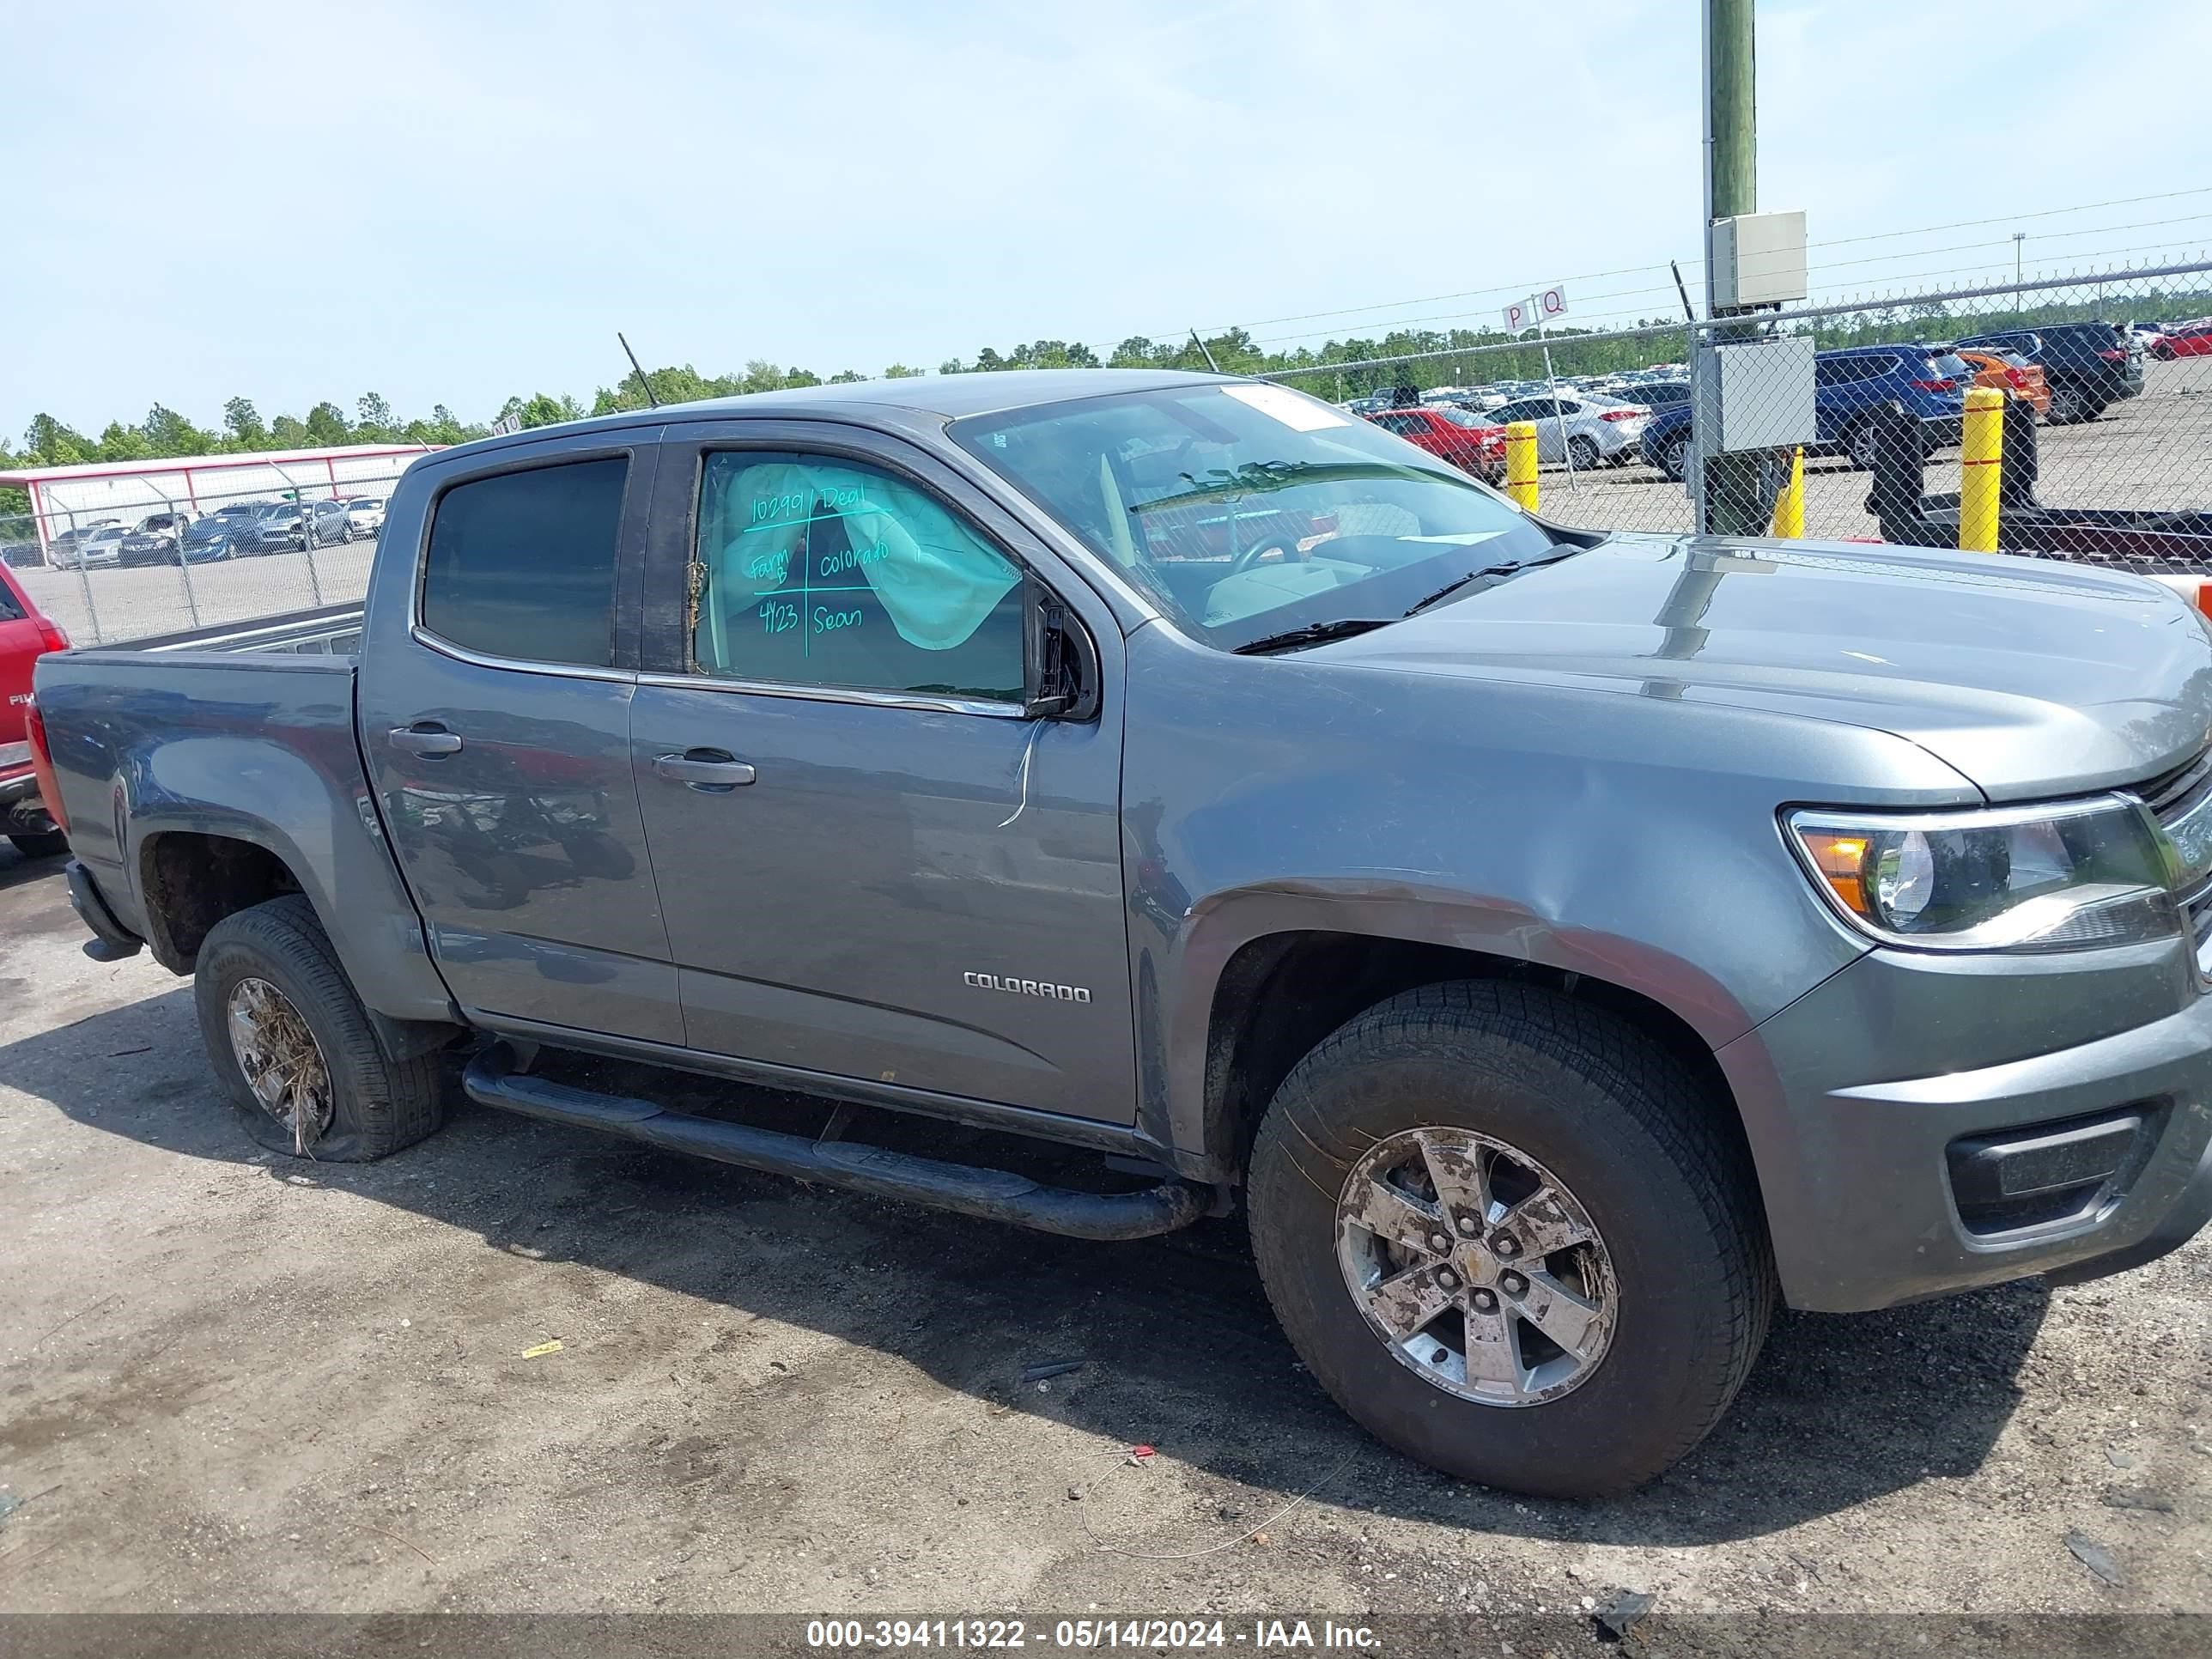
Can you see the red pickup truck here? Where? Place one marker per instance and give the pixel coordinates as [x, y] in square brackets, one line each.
[25, 636]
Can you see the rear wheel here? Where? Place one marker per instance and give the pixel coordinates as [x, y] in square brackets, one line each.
[1502, 1229]
[1862, 445]
[293, 1048]
[47, 844]
[2067, 406]
[1583, 451]
[1675, 459]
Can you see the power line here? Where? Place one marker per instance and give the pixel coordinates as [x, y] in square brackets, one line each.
[1512, 291]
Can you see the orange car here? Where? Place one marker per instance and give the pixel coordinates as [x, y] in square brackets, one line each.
[2013, 374]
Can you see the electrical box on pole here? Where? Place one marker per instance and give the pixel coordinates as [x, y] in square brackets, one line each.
[1757, 259]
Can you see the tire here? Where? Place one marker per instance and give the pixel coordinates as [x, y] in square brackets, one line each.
[2066, 407]
[47, 844]
[375, 1105]
[1605, 1115]
[1859, 447]
[1582, 453]
[1675, 459]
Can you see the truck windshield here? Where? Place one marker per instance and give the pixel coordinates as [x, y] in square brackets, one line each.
[1246, 510]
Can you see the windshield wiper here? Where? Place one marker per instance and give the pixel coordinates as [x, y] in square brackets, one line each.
[1454, 584]
[1319, 632]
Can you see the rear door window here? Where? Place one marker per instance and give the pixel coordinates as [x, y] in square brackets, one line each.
[521, 565]
[9, 611]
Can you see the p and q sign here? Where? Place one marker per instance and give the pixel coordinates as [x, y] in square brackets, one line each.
[1547, 306]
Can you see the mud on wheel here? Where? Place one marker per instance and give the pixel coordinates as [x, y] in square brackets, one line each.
[1513, 1236]
[294, 1052]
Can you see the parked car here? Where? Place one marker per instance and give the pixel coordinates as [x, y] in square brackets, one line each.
[1584, 431]
[364, 515]
[2089, 366]
[2011, 374]
[25, 635]
[61, 550]
[1849, 385]
[155, 538]
[91, 548]
[1658, 394]
[1471, 442]
[285, 525]
[2184, 340]
[1366, 887]
[210, 539]
[241, 512]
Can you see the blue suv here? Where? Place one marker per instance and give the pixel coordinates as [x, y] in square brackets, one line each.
[1848, 386]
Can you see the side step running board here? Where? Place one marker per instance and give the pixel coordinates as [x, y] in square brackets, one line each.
[993, 1194]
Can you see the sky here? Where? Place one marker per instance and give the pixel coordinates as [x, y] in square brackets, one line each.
[454, 202]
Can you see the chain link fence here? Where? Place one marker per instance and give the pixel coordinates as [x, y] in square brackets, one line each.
[129, 570]
[2100, 386]
[2100, 448]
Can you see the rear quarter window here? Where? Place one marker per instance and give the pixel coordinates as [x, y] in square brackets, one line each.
[9, 610]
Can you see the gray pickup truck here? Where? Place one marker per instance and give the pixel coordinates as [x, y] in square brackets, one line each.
[1561, 946]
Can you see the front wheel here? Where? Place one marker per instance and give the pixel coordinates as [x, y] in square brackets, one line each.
[293, 1048]
[1510, 1236]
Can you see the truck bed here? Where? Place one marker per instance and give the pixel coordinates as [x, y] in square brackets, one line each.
[321, 630]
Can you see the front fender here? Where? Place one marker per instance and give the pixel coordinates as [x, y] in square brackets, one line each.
[1219, 926]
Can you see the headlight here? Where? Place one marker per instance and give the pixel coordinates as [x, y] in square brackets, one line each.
[2007, 879]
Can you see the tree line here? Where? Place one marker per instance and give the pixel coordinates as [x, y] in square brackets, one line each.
[1338, 369]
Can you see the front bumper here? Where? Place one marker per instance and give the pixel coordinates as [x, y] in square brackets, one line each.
[1854, 1097]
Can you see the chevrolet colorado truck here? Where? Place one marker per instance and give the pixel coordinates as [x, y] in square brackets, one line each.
[1563, 947]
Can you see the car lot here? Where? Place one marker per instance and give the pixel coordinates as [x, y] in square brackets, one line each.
[136, 600]
[239, 1383]
[2148, 451]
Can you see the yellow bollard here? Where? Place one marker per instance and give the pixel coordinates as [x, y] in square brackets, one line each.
[1789, 505]
[1521, 464]
[1981, 470]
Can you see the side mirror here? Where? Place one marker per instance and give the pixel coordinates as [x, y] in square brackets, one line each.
[1060, 661]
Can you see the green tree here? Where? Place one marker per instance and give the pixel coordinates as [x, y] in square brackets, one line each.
[288, 432]
[327, 425]
[846, 377]
[377, 423]
[124, 443]
[243, 423]
[168, 433]
[900, 371]
[47, 442]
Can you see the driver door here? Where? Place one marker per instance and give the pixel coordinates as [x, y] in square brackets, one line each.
[872, 864]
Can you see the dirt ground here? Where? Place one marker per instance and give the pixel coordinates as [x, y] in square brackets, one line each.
[234, 1384]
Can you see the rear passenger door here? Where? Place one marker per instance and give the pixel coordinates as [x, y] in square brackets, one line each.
[494, 720]
[872, 865]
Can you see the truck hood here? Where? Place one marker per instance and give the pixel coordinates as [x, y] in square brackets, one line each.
[2030, 677]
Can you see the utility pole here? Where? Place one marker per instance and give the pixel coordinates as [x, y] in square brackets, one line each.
[1732, 500]
[2018, 238]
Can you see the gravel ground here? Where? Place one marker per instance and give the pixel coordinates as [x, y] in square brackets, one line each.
[240, 1384]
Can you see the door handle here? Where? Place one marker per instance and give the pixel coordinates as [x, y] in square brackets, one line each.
[712, 769]
[427, 739]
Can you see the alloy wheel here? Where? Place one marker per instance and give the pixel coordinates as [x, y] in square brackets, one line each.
[1476, 1267]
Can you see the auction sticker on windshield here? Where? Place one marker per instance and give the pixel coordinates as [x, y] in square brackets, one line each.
[1298, 413]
